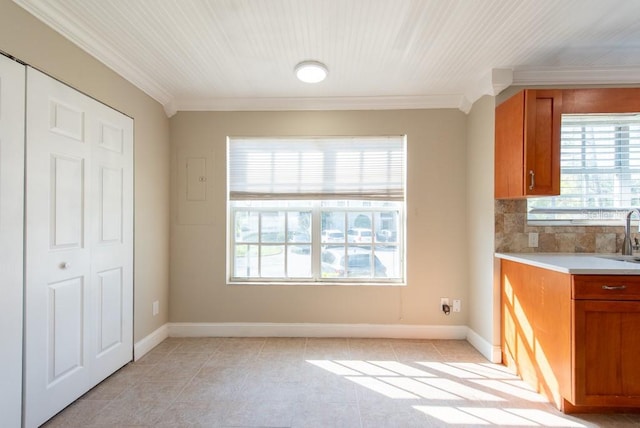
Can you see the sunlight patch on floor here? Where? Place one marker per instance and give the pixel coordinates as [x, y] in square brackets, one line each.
[496, 416]
[382, 387]
[467, 383]
[520, 390]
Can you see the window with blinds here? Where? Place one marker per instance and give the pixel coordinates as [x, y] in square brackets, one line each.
[599, 170]
[324, 209]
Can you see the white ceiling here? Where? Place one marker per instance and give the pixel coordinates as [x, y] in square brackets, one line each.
[381, 54]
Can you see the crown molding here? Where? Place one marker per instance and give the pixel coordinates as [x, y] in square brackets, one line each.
[319, 103]
[491, 83]
[577, 76]
[75, 32]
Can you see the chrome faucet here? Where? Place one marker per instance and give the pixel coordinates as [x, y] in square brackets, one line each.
[627, 247]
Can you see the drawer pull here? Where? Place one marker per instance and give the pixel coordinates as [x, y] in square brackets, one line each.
[614, 287]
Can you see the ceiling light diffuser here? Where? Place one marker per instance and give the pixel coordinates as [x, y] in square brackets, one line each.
[311, 71]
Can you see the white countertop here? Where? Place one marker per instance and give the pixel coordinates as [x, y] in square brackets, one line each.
[578, 263]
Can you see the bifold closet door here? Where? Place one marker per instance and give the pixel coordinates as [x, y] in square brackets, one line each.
[12, 77]
[78, 246]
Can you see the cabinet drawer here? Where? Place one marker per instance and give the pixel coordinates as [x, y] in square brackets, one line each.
[606, 287]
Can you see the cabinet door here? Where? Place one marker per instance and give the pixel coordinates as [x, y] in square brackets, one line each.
[542, 142]
[606, 349]
[527, 144]
[536, 327]
[509, 147]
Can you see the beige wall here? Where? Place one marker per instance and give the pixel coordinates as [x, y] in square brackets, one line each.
[436, 223]
[26, 38]
[480, 219]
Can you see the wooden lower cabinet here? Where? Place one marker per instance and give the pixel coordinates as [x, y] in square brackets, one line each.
[575, 338]
[607, 353]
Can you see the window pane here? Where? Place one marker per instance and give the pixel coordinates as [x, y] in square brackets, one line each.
[272, 261]
[246, 226]
[386, 226]
[360, 228]
[389, 256]
[246, 261]
[272, 226]
[299, 261]
[332, 228]
[299, 226]
[331, 258]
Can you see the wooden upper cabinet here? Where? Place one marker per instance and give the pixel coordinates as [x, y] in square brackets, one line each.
[527, 144]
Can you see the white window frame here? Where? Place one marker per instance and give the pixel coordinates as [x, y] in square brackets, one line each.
[584, 215]
[318, 205]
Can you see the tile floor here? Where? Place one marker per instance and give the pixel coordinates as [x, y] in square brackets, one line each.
[324, 383]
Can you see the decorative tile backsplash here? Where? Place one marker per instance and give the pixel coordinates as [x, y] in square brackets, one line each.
[512, 233]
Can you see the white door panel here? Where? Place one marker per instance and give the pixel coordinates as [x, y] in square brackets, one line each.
[58, 262]
[79, 245]
[66, 310]
[12, 105]
[67, 212]
[112, 237]
[110, 289]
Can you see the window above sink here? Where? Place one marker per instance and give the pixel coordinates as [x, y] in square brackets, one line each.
[599, 171]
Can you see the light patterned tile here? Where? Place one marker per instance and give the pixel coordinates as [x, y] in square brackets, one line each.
[283, 345]
[320, 348]
[205, 392]
[260, 414]
[174, 371]
[349, 383]
[129, 413]
[367, 349]
[231, 358]
[107, 390]
[205, 345]
[412, 351]
[152, 392]
[77, 414]
[323, 415]
[187, 357]
[199, 414]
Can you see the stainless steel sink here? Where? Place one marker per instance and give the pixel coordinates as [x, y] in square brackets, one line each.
[621, 258]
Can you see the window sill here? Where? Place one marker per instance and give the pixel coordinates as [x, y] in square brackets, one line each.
[578, 223]
[317, 283]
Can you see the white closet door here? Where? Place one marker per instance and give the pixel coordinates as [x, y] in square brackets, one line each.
[111, 238]
[79, 243]
[12, 77]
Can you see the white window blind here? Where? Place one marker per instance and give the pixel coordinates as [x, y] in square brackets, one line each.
[317, 168]
[600, 169]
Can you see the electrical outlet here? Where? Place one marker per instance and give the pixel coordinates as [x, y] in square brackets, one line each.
[444, 305]
[456, 305]
[533, 239]
[156, 308]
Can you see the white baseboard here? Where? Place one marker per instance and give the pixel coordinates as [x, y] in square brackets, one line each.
[395, 331]
[390, 331]
[149, 342]
[490, 352]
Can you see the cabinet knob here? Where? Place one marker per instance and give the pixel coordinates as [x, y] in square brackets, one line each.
[65, 265]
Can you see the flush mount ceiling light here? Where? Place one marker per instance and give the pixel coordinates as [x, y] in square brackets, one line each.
[311, 71]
